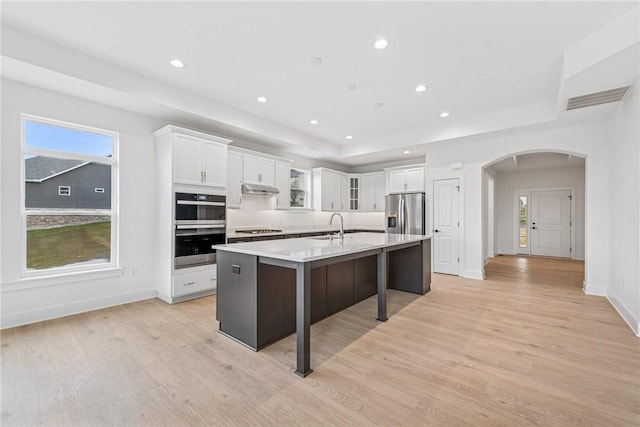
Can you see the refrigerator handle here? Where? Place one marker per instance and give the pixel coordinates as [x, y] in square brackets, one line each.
[407, 219]
[401, 215]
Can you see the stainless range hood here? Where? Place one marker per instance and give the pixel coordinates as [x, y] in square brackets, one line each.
[259, 189]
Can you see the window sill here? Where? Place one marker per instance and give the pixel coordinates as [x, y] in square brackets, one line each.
[60, 279]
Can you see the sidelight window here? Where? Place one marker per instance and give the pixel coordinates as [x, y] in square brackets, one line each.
[78, 231]
[523, 217]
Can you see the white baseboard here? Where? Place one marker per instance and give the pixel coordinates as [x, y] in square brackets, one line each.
[628, 317]
[63, 310]
[473, 274]
[594, 290]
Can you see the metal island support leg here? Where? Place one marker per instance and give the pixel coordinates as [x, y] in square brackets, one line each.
[303, 319]
[382, 285]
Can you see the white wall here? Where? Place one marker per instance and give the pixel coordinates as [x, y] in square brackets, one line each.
[37, 299]
[623, 139]
[587, 140]
[556, 177]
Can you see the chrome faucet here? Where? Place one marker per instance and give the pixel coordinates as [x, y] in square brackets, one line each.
[341, 223]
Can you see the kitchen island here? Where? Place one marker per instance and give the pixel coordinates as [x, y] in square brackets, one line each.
[270, 289]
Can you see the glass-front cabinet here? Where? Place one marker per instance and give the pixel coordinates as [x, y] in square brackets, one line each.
[300, 194]
[354, 193]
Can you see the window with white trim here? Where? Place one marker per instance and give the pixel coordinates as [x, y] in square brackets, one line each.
[64, 190]
[76, 232]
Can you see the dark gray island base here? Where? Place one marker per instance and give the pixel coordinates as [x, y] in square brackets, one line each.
[266, 292]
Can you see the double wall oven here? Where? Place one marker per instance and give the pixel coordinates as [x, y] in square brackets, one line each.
[200, 224]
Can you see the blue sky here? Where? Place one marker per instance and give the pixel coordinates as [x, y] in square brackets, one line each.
[43, 135]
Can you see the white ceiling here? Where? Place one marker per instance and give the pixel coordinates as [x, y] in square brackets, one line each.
[498, 62]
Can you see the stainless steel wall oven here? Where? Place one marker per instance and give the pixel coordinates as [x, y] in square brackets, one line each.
[200, 224]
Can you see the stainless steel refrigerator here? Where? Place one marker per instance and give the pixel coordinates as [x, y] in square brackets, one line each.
[405, 213]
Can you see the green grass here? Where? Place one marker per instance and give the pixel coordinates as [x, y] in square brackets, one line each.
[55, 247]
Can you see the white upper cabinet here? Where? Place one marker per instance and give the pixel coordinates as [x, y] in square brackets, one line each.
[283, 184]
[397, 181]
[214, 164]
[234, 179]
[354, 194]
[406, 180]
[381, 192]
[415, 179]
[200, 162]
[197, 158]
[344, 192]
[372, 192]
[188, 160]
[367, 192]
[258, 170]
[327, 190]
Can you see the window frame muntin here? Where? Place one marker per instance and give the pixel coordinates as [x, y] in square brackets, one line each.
[112, 161]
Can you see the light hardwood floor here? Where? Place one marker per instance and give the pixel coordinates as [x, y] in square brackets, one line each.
[525, 347]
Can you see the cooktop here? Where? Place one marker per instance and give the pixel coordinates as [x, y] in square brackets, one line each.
[259, 231]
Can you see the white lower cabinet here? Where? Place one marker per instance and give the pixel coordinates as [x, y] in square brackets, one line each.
[194, 280]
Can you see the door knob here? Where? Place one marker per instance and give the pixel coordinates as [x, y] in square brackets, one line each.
[437, 231]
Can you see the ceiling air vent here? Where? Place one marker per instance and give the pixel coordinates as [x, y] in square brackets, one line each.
[604, 97]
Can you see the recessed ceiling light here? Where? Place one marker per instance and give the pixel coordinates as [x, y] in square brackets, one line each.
[406, 152]
[316, 60]
[352, 87]
[444, 114]
[177, 63]
[349, 137]
[381, 43]
[262, 99]
[313, 122]
[377, 105]
[421, 88]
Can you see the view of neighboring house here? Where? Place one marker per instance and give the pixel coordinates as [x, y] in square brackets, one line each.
[64, 183]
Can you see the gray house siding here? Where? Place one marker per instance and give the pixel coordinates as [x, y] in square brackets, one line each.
[83, 182]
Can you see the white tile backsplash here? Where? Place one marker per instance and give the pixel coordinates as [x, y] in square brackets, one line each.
[257, 212]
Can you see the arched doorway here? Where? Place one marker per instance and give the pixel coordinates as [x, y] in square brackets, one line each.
[534, 205]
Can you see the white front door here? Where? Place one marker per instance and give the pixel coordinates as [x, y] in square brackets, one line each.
[446, 225]
[550, 223]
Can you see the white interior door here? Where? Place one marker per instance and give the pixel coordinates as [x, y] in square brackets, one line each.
[551, 223]
[446, 225]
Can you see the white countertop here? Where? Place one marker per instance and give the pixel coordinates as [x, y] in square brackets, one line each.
[312, 248]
